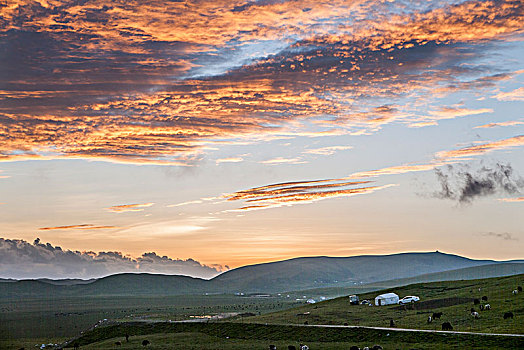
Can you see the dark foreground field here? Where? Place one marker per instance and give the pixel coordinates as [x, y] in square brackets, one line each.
[227, 335]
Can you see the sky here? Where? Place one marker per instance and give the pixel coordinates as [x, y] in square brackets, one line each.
[192, 137]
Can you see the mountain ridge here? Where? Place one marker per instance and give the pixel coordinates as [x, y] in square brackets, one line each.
[299, 273]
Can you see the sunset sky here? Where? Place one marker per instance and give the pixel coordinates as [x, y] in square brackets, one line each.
[237, 132]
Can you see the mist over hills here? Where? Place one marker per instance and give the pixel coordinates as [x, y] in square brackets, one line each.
[293, 274]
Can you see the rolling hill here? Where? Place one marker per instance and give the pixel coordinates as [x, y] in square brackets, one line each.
[287, 275]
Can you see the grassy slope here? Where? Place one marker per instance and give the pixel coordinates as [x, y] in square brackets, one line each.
[453, 298]
[468, 273]
[303, 273]
[257, 336]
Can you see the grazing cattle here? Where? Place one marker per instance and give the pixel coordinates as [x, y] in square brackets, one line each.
[472, 310]
[345, 324]
[118, 343]
[272, 347]
[485, 298]
[377, 347]
[436, 315]
[475, 315]
[487, 307]
[481, 307]
[304, 347]
[127, 338]
[508, 315]
[392, 323]
[354, 347]
[291, 347]
[76, 346]
[476, 301]
[145, 342]
[446, 326]
[515, 292]
[365, 348]
[430, 319]
[519, 288]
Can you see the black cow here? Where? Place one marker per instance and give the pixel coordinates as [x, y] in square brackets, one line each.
[485, 298]
[446, 326]
[508, 315]
[291, 347]
[476, 301]
[145, 342]
[436, 315]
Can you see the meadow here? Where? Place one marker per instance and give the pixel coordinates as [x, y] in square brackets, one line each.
[273, 320]
[453, 298]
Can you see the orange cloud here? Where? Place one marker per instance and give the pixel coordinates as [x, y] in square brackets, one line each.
[304, 198]
[129, 207]
[483, 148]
[79, 227]
[515, 95]
[512, 200]
[137, 82]
[492, 125]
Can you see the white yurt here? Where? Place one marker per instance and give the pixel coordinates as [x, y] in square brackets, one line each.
[386, 299]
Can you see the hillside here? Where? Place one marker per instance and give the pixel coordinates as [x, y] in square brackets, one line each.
[468, 273]
[293, 274]
[312, 272]
[453, 298]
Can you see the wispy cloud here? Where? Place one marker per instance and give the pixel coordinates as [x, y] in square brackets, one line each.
[492, 125]
[483, 148]
[184, 203]
[229, 160]
[79, 227]
[514, 95]
[327, 151]
[512, 200]
[129, 207]
[446, 113]
[281, 160]
[505, 236]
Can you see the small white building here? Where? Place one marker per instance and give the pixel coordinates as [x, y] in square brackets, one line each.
[386, 299]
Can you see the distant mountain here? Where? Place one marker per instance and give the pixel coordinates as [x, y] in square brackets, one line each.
[314, 272]
[500, 269]
[292, 274]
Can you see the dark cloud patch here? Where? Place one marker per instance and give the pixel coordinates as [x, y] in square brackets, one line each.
[461, 183]
[504, 235]
[20, 259]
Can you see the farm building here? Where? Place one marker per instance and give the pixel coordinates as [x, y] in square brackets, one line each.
[386, 299]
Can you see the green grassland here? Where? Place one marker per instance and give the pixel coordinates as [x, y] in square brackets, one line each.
[66, 317]
[453, 298]
[228, 335]
[39, 321]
